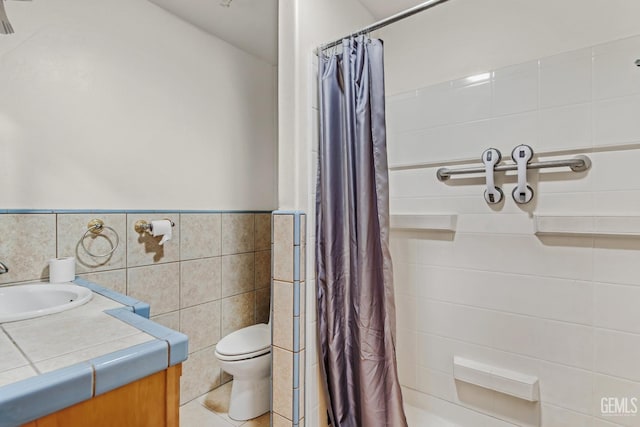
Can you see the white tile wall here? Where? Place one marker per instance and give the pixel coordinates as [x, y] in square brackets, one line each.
[521, 127]
[614, 72]
[566, 79]
[555, 416]
[567, 127]
[615, 122]
[515, 89]
[565, 309]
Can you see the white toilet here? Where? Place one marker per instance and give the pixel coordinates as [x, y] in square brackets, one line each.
[246, 354]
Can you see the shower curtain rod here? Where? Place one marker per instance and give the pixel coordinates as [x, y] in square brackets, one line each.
[383, 23]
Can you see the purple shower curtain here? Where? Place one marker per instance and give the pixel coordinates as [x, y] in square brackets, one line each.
[356, 311]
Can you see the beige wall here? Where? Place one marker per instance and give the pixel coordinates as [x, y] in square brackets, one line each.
[211, 279]
[121, 105]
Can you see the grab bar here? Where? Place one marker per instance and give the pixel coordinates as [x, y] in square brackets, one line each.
[577, 164]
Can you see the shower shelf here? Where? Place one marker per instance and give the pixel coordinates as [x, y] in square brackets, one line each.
[502, 380]
[441, 222]
[587, 225]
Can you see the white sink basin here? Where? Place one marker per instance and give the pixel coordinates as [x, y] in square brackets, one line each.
[21, 302]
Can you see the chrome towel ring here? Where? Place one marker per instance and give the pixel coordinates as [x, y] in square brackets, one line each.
[95, 227]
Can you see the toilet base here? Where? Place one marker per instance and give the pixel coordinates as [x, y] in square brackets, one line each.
[249, 398]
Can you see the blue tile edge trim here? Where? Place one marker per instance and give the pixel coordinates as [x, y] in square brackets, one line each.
[296, 229]
[126, 211]
[141, 308]
[296, 370]
[296, 263]
[35, 397]
[28, 211]
[296, 406]
[178, 343]
[296, 334]
[125, 366]
[296, 298]
[288, 212]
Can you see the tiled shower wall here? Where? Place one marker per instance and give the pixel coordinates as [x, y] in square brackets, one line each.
[211, 278]
[563, 308]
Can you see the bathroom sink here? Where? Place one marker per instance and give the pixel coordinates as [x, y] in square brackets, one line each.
[31, 300]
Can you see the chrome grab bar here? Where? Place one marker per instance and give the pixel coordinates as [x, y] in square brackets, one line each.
[577, 164]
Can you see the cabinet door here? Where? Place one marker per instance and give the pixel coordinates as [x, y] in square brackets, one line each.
[151, 401]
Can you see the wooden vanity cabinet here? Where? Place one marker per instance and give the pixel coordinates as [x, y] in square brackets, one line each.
[153, 401]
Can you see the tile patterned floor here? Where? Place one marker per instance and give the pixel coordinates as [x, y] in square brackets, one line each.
[210, 410]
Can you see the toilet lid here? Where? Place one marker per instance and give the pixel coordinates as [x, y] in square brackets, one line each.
[246, 341]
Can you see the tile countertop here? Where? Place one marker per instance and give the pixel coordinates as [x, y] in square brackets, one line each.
[52, 362]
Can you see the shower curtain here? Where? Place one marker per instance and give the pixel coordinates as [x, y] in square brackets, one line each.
[356, 311]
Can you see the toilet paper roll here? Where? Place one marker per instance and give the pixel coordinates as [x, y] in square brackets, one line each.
[161, 228]
[62, 270]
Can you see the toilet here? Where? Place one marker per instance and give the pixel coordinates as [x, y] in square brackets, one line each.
[246, 354]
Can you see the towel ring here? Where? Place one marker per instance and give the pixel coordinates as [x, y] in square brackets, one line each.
[95, 227]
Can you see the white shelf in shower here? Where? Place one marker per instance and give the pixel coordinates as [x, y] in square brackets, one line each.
[441, 222]
[505, 381]
[588, 225]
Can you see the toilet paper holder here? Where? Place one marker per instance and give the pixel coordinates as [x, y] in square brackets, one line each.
[141, 226]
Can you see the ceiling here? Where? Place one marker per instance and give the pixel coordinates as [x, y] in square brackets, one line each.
[252, 25]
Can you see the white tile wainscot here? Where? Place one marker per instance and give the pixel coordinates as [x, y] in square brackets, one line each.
[549, 289]
[587, 225]
[444, 222]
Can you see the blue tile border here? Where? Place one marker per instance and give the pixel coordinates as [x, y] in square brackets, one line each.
[296, 229]
[178, 342]
[141, 308]
[29, 211]
[125, 366]
[296, 334]
[129, 211]
[136, 313]
[296, 263]
[35, 397]
[296, 370]
[296, 406]
[287, 212]
[224, 212]
[296, 298]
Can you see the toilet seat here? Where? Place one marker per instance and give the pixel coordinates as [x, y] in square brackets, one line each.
[246, 343]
